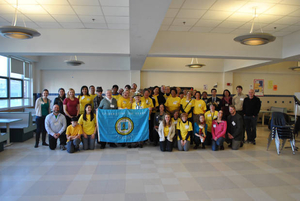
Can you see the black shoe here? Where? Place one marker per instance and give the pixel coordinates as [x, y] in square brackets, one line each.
[129, 146]
[123, 144]
[203, 146]
[102, 147]
[113, 145]
[221, 147]
[36, 145]
[196, 147]
[62, 147]
[230, 145]
[253, 142]
[141, 145]
[242, 144]
[155, 144]
[45, 144]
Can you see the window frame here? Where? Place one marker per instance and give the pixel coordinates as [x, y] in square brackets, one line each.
[7, 87]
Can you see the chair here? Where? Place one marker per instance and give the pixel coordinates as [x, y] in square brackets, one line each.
[280, 130]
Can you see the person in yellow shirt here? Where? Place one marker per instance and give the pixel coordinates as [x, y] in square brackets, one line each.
[84, 98]
[209, 117]
[167, 94]
[166, 132]
[149, 104]
[187, 105]
[92, 94]
[73, 134]
[173, 102]
[124, 101]
[89, 127]
[199, 107]
[115, 93]
[175, 119]
[185, 130]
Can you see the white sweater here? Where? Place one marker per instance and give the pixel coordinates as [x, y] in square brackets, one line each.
[38, 107]
[161, 132]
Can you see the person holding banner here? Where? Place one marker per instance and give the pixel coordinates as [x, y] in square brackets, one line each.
[108, 103]
[124, 101]
[89, 129]
[166, 133]
[185, 130]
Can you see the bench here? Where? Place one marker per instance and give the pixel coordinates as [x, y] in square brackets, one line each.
[19, 131]
[3, 138]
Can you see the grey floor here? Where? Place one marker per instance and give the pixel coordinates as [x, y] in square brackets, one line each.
[251, 173]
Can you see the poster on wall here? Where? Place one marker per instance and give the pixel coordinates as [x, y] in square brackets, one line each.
[259, 87]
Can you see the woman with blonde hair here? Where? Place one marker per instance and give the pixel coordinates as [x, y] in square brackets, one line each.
[166, 132]
[71, 106]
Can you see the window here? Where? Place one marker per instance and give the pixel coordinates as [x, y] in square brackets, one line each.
[15, 83]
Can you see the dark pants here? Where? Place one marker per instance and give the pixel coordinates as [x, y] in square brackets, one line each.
[166, 145]
[197, 141]
[40, 127]
[242, 115]
[151, 126]
[217, 144]
[53, 141]
[250, 123]
[208, 138]
[155, 136]
[192, 136]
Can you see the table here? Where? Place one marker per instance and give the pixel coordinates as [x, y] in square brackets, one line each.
[263, 115]
[7, 122]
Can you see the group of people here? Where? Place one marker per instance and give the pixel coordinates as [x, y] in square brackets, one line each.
[177, 118]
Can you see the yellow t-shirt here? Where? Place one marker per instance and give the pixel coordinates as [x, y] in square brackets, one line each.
[209, 117]
[116, 96]
[176, 121]
[166, 131]
[199, 107]
[73, 131]
[166, 97]
[83, 100]
[156, 100]
[142, 105]
[88, 125]
[187, 105]
[184, 129]
[148, 101]
[173, 103]
[124, 103]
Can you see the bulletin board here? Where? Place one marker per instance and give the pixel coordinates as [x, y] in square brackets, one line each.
[258, 86]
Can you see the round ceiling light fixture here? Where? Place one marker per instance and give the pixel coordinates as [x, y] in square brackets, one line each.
[295, 68]
[195, 65]
[74, 62]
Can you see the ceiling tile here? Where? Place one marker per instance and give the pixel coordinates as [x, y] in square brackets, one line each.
[267, 1]
[29, 25]
[10, 17]
[95, 26]
[116, 11]
[49, 25]
[32, 9]
[176, 3]
[66, 18]
[188, 22]
[216, 15]
[20, 2]
[201, 29]
[3, 20]
[2, 2]
[288, 20]
[6, 9]
[230, 24]
[89, 19]
[88, 10]
[196, 4]
[53, 2]
[172, 12]
[68, 25]
[117, 20]
[59, 10]
[292, 28]
[167, 21]
[296, 13]
[179, 28]
[228, 5]
[274, 27]
[281, 9]
[260, 7]
[256, 25]
[240, 31]
[245, 17]
[290, 2]
[208, 23]
[222, 30]
[164, 28]
[84, 2]
[41, 18]
[118, 26]
[185, 13]
[114, 3]
[282, 33]
[267, 18]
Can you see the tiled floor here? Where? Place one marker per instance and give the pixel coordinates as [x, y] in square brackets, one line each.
[251, 173]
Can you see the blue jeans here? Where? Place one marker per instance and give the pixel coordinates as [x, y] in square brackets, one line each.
[73, 145]
[216, 144]
[250, 124]
[88, 143]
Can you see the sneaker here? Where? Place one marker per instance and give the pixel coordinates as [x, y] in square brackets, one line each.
[113, 145]
[62, 147]
[221, 147]
[45, 144]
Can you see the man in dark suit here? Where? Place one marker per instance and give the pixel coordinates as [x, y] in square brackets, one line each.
[215, 99]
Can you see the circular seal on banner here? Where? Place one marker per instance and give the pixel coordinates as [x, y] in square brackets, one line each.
[124, 126]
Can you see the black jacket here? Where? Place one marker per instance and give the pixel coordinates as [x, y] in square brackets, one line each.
[218, 102]
[235, 126]
[251, 107]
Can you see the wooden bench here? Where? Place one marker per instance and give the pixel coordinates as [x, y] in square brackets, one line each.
[22, 130]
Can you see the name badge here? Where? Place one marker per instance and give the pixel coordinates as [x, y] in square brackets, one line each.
[175, 122]
[124, 102]
[226, 105]
[233, 123]
[82, 97]
[112, 106]
[186, 126]
[199, 105]
[214, 125]
[88, 99]
[218, 102]
[241, 99]
[201, 127]
[147, 101]
[209, 115]
[56, 123]
[175, 102]
[187, 101]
